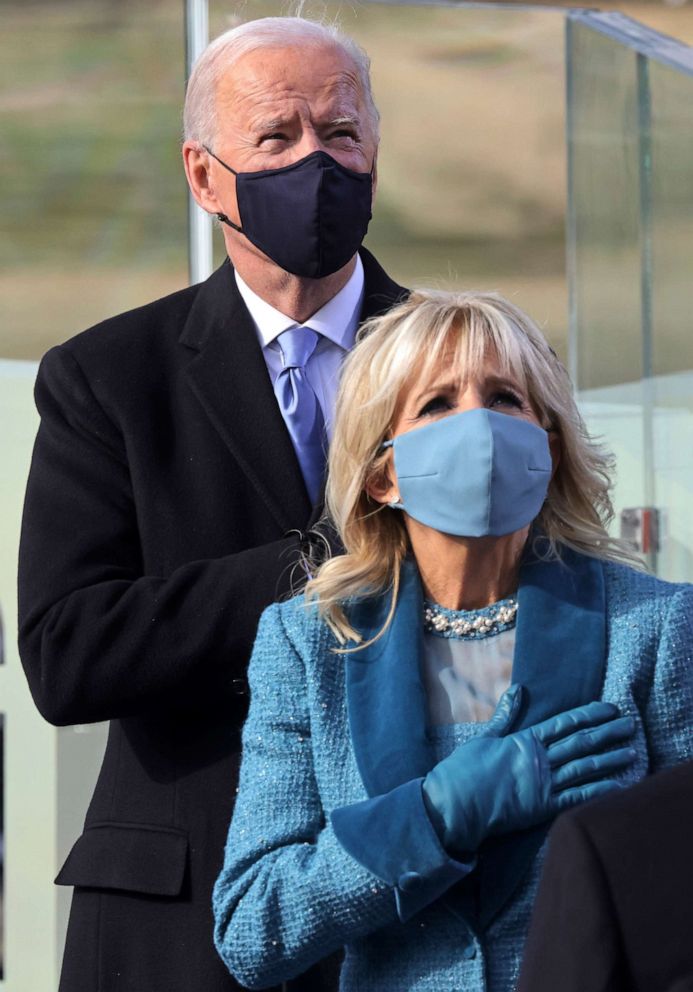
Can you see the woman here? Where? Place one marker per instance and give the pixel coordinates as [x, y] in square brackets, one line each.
[396, 788]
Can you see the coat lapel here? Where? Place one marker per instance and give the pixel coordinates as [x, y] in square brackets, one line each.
[385, 695]
[560, 658]
[380, 292]
[560, 645]
[229, 377]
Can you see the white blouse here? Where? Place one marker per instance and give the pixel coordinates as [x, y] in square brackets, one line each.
[465, 678]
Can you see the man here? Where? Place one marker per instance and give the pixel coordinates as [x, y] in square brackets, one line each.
[614, 911]
[180, 449]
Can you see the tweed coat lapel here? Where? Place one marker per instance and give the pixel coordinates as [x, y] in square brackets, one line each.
[386, 701]
[560, 659]
[560, 656]
[229, 377]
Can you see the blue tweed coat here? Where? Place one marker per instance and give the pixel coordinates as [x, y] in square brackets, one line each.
[333, 754]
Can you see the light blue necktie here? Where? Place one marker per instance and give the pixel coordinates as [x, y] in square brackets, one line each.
[299, 405]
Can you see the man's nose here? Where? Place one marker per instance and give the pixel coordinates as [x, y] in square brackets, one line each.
[309, 142]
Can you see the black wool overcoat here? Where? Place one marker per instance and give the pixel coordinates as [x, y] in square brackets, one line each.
[162, 488]
[614, 911]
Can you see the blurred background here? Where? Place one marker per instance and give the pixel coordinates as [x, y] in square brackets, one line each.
[93, 206]
[534, 150]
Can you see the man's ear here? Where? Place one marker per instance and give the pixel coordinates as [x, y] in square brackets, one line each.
[196, 162]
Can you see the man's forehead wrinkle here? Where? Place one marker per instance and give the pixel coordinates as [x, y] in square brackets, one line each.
[271, 92]
[335, 111]
[266, 90]
[257, 122]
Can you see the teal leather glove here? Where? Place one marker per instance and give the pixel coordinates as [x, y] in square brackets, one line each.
[495, 784]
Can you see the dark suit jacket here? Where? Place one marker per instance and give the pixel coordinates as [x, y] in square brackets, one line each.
[614, 911]
[162, 486]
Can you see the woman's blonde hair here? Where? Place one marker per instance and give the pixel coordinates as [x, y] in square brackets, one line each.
[411, 340]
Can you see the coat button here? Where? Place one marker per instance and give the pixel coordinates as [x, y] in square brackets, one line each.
[409, 881]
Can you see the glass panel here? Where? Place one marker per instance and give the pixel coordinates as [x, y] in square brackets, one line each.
[631, 184]
[672, 304]
[471, 168]
[672, 217]
[673, 473]
[605, 198]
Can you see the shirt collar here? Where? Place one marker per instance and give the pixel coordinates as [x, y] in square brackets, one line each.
[337, 320]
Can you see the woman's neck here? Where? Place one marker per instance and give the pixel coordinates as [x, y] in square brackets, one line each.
[466, 573]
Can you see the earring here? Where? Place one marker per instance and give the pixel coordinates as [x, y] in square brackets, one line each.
[396, 504]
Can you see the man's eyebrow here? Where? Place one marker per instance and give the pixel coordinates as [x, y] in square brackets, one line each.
[270, 124]
[353, 119]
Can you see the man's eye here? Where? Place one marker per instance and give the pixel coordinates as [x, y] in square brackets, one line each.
[275, 136]
[434, 405]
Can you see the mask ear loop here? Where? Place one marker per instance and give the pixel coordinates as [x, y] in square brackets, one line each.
[395, 504]
[222, 217]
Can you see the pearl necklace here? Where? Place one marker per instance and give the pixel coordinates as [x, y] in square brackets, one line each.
[470, 624]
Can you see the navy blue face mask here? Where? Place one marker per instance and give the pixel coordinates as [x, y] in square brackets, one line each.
[310, 217]
[473, 474]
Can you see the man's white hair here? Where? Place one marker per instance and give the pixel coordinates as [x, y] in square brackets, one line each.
[200, 112]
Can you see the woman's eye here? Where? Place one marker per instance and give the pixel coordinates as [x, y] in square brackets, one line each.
[434, 405]
[505, 398]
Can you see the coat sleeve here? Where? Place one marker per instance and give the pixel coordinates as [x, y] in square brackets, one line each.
[669, 710]
[574, 943]
[98, 638]
[289, 893]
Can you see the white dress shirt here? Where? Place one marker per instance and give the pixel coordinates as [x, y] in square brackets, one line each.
[336, 322]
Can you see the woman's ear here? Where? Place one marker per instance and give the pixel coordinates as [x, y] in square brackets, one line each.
[555, 450]
[380, 486]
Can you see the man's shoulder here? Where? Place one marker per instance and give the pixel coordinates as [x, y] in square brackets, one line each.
[146, 332]
[162, 319]
[381, 291]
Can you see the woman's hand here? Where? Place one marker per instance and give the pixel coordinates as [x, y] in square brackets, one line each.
[495, 784]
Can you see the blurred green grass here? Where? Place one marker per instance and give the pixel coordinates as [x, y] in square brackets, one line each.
[90, 119]
[93, 217]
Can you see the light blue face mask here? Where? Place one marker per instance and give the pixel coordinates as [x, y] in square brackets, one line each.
[473, 474]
